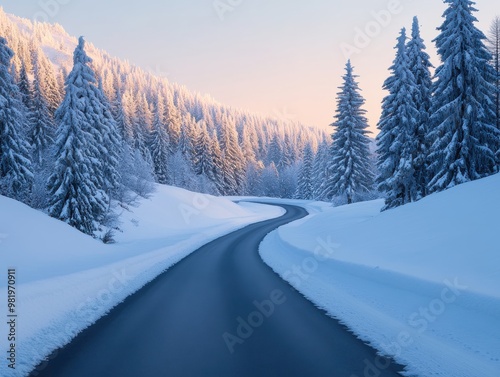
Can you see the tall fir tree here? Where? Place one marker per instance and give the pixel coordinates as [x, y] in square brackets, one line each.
[305, 187]
[494, 47]
[76, 184]
[47, 80]
[396, 141]
[320, 170]
[233, 169]
[25, 86]
[107, 134]
[42, 126]
[203, 162]
[420, 65]
[350, 163]
[174, 122]
[464, 135]
[160, 143]
[16, 174]
[218, 161]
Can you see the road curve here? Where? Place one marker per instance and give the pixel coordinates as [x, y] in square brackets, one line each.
[219, 312]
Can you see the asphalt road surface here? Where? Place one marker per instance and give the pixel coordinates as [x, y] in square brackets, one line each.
[219, 312]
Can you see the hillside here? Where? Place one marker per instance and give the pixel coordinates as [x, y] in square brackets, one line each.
[135, 96]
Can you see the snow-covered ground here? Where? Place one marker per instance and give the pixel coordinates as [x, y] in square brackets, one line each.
[66, 280]
[420, 283]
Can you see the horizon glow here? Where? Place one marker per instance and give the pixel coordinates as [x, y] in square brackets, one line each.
[284, 59]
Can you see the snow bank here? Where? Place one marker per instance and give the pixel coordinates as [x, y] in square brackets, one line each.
[66, 280]
[420, 283]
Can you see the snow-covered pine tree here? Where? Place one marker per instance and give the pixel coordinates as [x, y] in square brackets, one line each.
[76, 185]
[174, 122]
[142, 128]
[16, 174]
[288, 181]
[159, 144]
[186, 140]
[320, 170]
[287, 157]
[25, 86]
[350, 167]
[420, 65]
[247, 149]
[253, 178]
[270, 182]
[305, 188]
[129, 123]
[233, 169]
[464, 135]
[47, 80]
[275, 151]
[494, 47]
[396, 141]
[106, 131]
[218, 162]
[41, 121]
[203, 162]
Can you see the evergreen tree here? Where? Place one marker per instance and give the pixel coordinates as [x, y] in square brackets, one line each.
[494, 47]
[129, 123]
[396, 141]
[109, 141]
[270, 182]
[420, 65]
[160, 144]
[203, 162]
[185, 145]
[275, 151]
[253, 181]
[350, 164]
[174, 122]
[233, 170]
[464, 135]
[142, 128]
[320, 170]
[41, 121]
[15, 165]
[287, 158]
[218, 162]
[47, 81]
[25, 87]
[76, 185]
[305, 188]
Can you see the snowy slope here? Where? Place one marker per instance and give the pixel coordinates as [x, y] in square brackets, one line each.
[420, 282]
[67, 280]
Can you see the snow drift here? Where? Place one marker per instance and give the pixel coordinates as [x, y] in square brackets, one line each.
[67, 280]
[420, 282]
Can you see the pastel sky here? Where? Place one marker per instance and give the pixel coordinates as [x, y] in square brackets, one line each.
[278, 57]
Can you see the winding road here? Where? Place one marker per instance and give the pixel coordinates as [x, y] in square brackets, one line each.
[219, 312]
